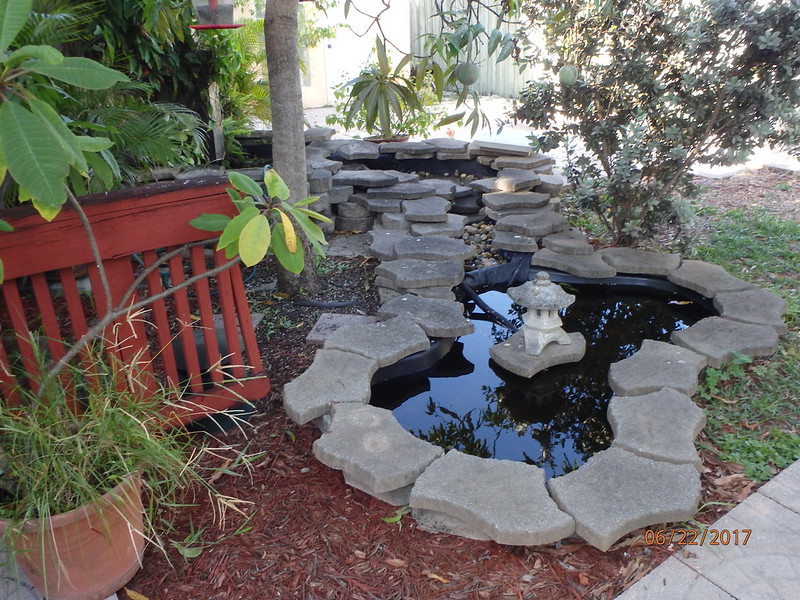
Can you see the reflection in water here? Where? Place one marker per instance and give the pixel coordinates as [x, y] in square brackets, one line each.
[555, 420]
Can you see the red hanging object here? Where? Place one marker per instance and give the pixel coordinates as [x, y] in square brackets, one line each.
[214, 14]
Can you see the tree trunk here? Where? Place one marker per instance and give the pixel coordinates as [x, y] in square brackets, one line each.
[288, 146]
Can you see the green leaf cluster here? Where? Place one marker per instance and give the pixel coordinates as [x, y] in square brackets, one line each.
[266, 222]
[658, 86]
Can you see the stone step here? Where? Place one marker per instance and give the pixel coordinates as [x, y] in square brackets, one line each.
[707, 279]
[487, 499]
[432, 209]
[503, 201]
[514, 242]
[635, 261]
[569, 241]
[522, 162]
[438, 318]
[517, 180]
[386, 342]
[453, 227]
[585, 265]
[536, 224]
[661, 425]
[433, 248]
[364, 178]
[403, 191]
[356, 150]
[335, 376]
[719, 339]
[616, 492]
[410, 148]
[655, 366]
[414, 273]
[511, 354]
[384, 241]
[480, 148]
[757, 306]
[376, 454]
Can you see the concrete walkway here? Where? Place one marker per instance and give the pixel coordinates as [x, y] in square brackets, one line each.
[763, 565]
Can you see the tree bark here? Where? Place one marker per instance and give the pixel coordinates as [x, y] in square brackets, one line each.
[288, 146]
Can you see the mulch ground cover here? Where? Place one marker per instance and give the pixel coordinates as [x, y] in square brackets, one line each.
[302, 533]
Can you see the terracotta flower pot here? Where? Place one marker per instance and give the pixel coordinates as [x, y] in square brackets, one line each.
[87, 553]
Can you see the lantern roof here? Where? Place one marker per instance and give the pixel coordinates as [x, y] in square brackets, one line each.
[541, 294]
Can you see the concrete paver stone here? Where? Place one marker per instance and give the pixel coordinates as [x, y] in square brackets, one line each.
[501, 500]
[334, 377]
[615, 492]
[504, 201]
[784, 488]
[661, 425]
[707, 279]
[719, 339]
[656, 365]
[413, 273]
[403, 191]
[432, 209]
[672, 580]
[386, 342]
[327, 323]
[366, 178]
[438, 318]
[511, 354]
[582, 265]
[368, 444]
[536, 224]
[452, 227]
[569, 241]
[636, 261]
[757, 306]
[514, 242]
[433, 248]
[517, 180]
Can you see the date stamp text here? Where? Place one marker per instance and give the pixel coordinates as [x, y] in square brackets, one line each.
[693, 537]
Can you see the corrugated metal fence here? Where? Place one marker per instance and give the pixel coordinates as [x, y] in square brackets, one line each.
[502, 79]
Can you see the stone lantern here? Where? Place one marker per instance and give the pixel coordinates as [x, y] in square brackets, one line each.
[531, 349]
[542, 323]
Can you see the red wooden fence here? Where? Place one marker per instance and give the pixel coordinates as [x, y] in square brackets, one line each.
[178, 338]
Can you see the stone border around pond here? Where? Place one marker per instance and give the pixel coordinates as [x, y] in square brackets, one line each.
[650, 474]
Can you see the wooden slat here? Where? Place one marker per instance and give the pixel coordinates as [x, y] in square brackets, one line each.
[206, 315]
[44, 302]
[228, 309]
[7, 380]
[183, 315]
[243, 311]
[166, 350]
[72, 297]
[16, 312]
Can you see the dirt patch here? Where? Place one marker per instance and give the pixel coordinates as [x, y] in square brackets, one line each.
[309, 536]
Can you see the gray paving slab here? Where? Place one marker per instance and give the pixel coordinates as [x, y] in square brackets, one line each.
[452, 227]
[357, 150]
[433, 248]
[366, 178]
[635, 261]
[661, 425]
[656, 365]
[757, 306]
[521, 162]
[394, 221]
[354, 224]
[445, 144]
[582, 265]
[453, 155]
[334, 377]
[340, 193]
[514, 242]
[432, 209]
[506, 201]
[784, 488]
[436, 292]
[407, 147]
[352, 244]
[551, 184]
[486, 185]
[403, 191]
[517, 180]
[327, 323]
[412, 273]
[707, 279]
[481, 148]
[719, 339]
[672, 580]
[438, 318]
[569, 241]
[616, 492]
[384, 241]
[368, 443]
[383, 205]
[443, 187]
[318, 161]
[537, 224]
[765, 567]
[386, 342]
[466, 487]
[402, 176]
[319, 181]
[511, 354]
[352, 210]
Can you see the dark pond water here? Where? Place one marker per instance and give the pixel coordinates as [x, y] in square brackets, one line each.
[555, 420]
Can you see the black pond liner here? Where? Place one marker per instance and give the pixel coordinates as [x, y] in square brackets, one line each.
[458, 397]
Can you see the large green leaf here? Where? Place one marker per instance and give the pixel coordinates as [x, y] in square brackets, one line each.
[210, 222]
[36, 160]
[79, 71]
[254, 240]
[91, 143]
[48, 54]
[245, 184]
[6, 226]
[13, 16]
[234, 229]
[276, 186]
[68, 140]
[291, 261]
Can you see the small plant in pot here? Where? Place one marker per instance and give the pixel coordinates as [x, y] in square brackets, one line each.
[77, 457]
[385, 103]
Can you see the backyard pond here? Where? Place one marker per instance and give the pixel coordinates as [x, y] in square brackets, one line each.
[556, 419]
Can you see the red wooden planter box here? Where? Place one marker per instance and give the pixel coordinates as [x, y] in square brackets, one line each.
[41, 294]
